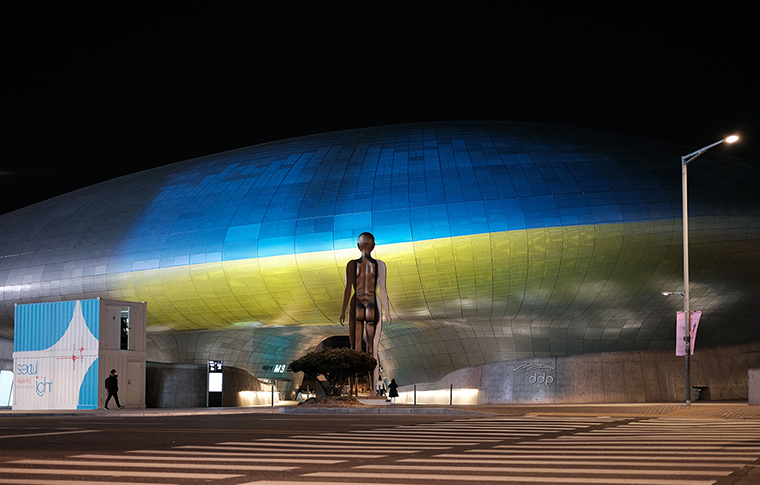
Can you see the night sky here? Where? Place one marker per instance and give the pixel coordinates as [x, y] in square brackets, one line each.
[94, 92]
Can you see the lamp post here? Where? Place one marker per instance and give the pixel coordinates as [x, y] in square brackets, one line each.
[685, 160]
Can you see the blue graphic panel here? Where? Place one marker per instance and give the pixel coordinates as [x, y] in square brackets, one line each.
[88, 391]
[40, 325]
[91, 313]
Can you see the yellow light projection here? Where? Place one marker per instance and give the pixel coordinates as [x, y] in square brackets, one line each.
[490, 276]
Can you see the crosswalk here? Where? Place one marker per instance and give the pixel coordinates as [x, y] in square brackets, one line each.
[522, 449]
[657, 451]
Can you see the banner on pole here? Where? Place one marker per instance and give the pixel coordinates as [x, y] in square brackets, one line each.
[681, 332]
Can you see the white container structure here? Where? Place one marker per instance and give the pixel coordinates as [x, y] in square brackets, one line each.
[63, 351]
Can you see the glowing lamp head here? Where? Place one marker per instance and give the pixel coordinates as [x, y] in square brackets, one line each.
[732, 139]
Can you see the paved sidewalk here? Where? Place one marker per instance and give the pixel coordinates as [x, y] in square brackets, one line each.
[697, 410]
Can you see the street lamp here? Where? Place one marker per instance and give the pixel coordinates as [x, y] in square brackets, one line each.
[685, 160]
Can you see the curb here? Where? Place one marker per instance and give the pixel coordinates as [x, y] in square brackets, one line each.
[382, 410]
[102, 413]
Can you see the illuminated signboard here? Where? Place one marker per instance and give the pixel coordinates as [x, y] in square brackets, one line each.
[215, 368]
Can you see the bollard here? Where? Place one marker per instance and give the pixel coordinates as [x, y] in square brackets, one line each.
[451, 395]
[415, 394]
[272, 396]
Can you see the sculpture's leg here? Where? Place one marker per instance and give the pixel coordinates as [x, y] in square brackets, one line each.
[375, 375]
[355, 328]
[352, 332]
[372, 329]
[375, 346]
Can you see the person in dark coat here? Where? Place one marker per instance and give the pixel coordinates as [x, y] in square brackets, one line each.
[392, 391]
[112, 385]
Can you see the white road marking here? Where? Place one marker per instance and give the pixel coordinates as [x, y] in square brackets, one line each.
[499, 469]
[282, 450]
[496, 429]
[499, 427]
[647, 439]
[116, 473]
[184, 466]
[638, 455]
[298, 418]
[320, 445]
[240, 457]
[674, 432]
[279, 453]
[492, 478]
[641, 441]
[502, 461]
[380, 439]
[37, 481]
[538, 419]
[433, 434]
[270, 482]
[417, 437]
[51, 434]
[545, 446]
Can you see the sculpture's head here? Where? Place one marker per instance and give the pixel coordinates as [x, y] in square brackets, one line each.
[366, 243]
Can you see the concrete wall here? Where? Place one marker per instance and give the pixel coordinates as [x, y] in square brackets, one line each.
[175, 385]
[236, 380]
[608, 377]
[754, 387]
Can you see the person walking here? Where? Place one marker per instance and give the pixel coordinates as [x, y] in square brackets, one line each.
[392, 391]
[112, 386]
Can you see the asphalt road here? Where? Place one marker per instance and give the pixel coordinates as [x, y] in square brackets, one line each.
[376, 449]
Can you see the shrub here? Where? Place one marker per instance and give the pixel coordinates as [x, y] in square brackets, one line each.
[336, 364]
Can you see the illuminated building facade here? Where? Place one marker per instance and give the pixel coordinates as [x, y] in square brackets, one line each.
[502, 241]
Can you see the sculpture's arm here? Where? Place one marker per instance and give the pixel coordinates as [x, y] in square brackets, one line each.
[350, 276]
[381, 274]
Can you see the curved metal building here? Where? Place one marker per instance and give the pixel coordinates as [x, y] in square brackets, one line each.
[502, 241]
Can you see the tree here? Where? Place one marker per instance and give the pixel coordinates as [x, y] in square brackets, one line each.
[336, 364]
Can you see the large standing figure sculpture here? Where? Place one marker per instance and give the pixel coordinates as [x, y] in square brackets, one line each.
[366, 276]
